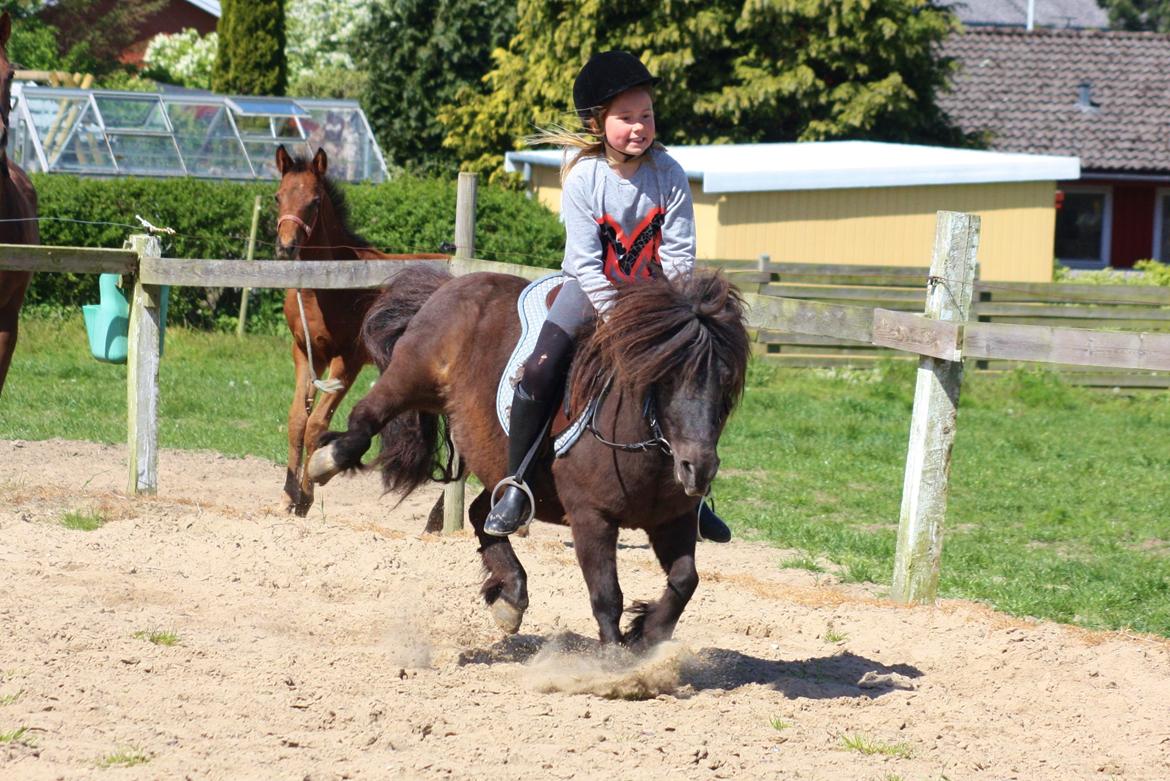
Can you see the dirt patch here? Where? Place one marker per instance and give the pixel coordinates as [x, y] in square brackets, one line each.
[349, 645]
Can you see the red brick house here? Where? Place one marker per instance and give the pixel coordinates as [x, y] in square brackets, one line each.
[1101, 95]
[175, 16]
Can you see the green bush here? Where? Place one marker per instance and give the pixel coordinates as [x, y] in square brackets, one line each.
[212, 218]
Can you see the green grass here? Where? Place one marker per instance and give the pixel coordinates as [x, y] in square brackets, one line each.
[1057, 508]
[124, 758]
[868, 746]
[779, 724]
[9, 699]
[82, 521]
[833, 636]
[158, 637]
[15, 736]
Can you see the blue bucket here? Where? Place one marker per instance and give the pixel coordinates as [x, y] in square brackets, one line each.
[108, 323]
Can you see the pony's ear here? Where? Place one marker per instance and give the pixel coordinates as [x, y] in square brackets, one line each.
[283, 161]
[320, 161]
[5, 28]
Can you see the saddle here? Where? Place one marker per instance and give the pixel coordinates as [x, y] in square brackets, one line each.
[532, 306]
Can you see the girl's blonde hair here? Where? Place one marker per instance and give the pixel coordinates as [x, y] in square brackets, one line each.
[588, 141]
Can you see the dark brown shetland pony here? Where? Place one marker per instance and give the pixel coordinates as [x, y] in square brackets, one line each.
[18, 210]
[313, 226]
[445, 341]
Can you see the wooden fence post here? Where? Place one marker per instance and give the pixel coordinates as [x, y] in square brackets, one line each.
[464, 249]
[142, 374]
[251, 254]
[932, 423]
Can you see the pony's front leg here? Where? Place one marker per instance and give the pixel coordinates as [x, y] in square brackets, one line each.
[595, 540]
[344, 369]
[674, 545]
[298, 417]
[339, 452]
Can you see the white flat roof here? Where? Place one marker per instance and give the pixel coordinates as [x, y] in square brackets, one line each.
[825, 165]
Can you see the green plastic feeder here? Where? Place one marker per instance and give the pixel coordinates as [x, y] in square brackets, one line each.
[108, 323]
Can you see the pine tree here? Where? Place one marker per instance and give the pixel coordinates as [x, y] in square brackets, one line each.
[250, 59]
[1138, 14]
[419, 54]
[731, 70]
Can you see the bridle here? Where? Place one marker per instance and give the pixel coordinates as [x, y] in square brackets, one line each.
[308, 229]
[649, 412]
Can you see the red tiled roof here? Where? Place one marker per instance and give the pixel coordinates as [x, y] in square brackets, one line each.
[1024, 88]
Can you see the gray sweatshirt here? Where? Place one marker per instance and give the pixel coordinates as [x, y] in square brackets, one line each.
[621, 230]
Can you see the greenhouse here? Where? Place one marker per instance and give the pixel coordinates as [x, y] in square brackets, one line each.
[108, 133]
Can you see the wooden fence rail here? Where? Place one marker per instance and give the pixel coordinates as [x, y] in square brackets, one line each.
[877, 317]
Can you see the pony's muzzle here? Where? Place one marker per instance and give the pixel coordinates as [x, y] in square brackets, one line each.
[285, 251]
[695, 471]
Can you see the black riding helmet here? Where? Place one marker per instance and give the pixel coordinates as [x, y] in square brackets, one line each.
[605, 76]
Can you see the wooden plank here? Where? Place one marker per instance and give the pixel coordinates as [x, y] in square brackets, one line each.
[810, 317]
[1056, 292]
[918, 557]
[765, 336]
[142, 393]
[906, 275]
[1111, 349]
[460, 266]
[916, 334]
[71, 260]
[316, 274]
[993, 309]
[1153, 326]
[889, 296]
[727, 265]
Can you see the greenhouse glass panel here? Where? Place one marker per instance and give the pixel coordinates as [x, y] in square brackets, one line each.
[71, 134]
[103, 132]
[207, 140]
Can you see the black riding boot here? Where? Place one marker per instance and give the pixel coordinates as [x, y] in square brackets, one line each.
[527, 425]
[711, 526]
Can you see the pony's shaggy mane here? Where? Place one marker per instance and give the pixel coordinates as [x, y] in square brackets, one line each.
[657, 328]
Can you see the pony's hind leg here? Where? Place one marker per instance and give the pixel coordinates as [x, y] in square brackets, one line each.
[391, 395]
[595, 541]
[674, 545]
[505, 589]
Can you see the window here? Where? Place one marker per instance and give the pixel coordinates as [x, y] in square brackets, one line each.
[1083, 227]
[1161, 249]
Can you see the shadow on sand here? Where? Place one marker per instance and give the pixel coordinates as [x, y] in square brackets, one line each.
[825, 677]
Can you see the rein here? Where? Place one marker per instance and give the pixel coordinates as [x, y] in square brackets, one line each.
[332, 385]
[649, 412]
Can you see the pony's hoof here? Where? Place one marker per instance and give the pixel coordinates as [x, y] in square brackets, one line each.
[507, 616]
[322, 466]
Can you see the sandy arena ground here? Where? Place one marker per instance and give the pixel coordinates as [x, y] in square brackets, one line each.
[349, 645]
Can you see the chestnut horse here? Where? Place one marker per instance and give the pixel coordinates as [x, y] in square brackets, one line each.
[18, 215]
[673, 359]
[312, 226]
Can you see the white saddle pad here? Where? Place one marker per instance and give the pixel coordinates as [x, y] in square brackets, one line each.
[533, 309]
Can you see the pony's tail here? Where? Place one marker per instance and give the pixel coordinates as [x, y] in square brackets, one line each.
[395, 306]
[410, 454]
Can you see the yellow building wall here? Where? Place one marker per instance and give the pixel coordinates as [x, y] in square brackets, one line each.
[880, 226]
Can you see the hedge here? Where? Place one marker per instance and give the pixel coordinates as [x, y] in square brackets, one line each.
[211, 220]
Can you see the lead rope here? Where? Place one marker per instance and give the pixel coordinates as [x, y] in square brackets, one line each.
[332, 385]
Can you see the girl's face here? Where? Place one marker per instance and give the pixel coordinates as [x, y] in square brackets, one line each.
[629, 122]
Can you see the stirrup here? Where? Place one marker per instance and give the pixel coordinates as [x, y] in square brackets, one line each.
[511, 481]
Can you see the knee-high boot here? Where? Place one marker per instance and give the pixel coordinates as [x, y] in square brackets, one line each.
[527, 427]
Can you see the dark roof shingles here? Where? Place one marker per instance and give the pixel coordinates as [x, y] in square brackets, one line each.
[1024, 88]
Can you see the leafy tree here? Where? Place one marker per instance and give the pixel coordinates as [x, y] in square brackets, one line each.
[322, 38]
[184, 58]
[75, 35]
[421, 54]
[250, 56]
[1138, 14]
[731, 70]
